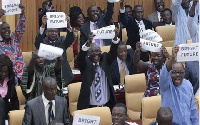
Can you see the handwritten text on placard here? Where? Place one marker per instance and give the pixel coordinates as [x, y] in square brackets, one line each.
[11, 7]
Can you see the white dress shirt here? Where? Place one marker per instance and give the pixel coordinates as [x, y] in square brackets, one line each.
[119, 61]
[141, 26]
[46, 107]
[159, 16]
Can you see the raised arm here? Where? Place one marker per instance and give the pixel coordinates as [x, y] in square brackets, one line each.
[109, 13]
[176, 4]
[123, 18]
[20, 28]
[1, 12]
[112, 54]
[139, 64]
[172, 59]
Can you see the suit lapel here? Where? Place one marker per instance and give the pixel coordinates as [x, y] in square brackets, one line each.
[57, 108]
[116, 70]
[87, 29]
[41, 109]
[156, 16]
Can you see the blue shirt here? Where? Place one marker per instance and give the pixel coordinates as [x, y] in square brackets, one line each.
[180, 99]
[179, 15]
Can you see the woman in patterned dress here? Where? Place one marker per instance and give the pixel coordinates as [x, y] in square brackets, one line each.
[152, 69]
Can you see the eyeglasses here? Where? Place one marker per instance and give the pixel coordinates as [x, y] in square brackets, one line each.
[118, 115]
[177, 72]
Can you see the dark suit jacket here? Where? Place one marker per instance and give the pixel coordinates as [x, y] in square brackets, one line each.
[155, 24]
[103, 21]
[35, 111]
[133, 29]
[88, 73]
[2, 112]
[192, 73]
[63, 43]
[114, 68]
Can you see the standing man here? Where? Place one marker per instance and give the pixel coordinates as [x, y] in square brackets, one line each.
[10, 44]
[96, 21]
[122, 65]
[46, 107]
[53, 39]
[156, 16]
[97, 87]
[177, 92]
[180, 12]
[134, 26]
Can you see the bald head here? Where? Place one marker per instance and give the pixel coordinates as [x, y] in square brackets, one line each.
[49, 87]
[164, 116]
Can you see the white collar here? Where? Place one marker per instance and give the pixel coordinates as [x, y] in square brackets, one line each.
[96, 64]
[168, 24]
[46, 101]
[119, 60]
[92, 23]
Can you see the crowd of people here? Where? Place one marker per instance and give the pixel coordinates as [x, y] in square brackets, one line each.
[42, 80]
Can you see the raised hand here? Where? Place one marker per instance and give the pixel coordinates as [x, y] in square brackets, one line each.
[138, 46]
[89, 42]
[116, 34]
[22, 7]
[175, 51]
[121, 4]
[165, 52]
[68, 21]
[44, 21]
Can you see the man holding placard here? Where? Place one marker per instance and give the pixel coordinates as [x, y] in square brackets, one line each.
[177, 92]
[134, 26]
[96, 21]
[53, 39]
[10, 44]
[97, 88]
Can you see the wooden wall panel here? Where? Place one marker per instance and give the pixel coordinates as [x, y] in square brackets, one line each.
[32, 6]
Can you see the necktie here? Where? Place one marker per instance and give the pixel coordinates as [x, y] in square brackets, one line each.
[97, 85]
[97, 41]
[50, 112]
[122, 73]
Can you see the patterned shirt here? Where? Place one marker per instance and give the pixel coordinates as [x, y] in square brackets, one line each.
[12, 48]
[152, 81]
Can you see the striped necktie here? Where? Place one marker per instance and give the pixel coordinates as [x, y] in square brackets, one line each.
[50, 113]
[97, 85]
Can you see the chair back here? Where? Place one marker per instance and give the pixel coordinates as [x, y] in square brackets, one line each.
[15, 117]
[197, 102]
[73, 94]
[124, 35]
[70, 56]
[168, 34]
[27, 57]
[103, 112]
[21, 98]
[150, 106]
[135, 86]
[107, 48]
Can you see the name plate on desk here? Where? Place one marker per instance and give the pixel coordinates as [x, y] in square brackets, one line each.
[80, 119]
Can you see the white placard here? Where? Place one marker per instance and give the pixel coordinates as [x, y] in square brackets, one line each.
[188, 52]
[80, 119]
[113, 1]
[49, 52]
[151, 46]
[105, 32]
[56, 20]
[151, 35]
[11, 7]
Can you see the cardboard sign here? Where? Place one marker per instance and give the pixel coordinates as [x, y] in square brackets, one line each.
[56, 20]
[49, 52]
[105, 32]
[188, 52]
[11, 7]
[80, 119]
[111, 1]
[151, 46]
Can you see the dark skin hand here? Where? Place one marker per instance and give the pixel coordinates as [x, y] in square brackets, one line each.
[1, 12]
[22, 7]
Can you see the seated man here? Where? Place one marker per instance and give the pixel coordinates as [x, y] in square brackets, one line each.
[10, 43]
[123, 64]
[96, 88]
[164, 117]
[2, 112]
[34, 74]
[53, 39]
[46, 107]
[119, 114]
[166, 15]
[177, 92]
[156, 16]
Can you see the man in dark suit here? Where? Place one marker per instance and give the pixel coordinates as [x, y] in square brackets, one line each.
[47, 107]
[156, 16]
[164, 117]
[166, 15]
[96, 21]
[2, 112]
[134, 26]
[123, 64]
[97, 88]
[53, 39]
